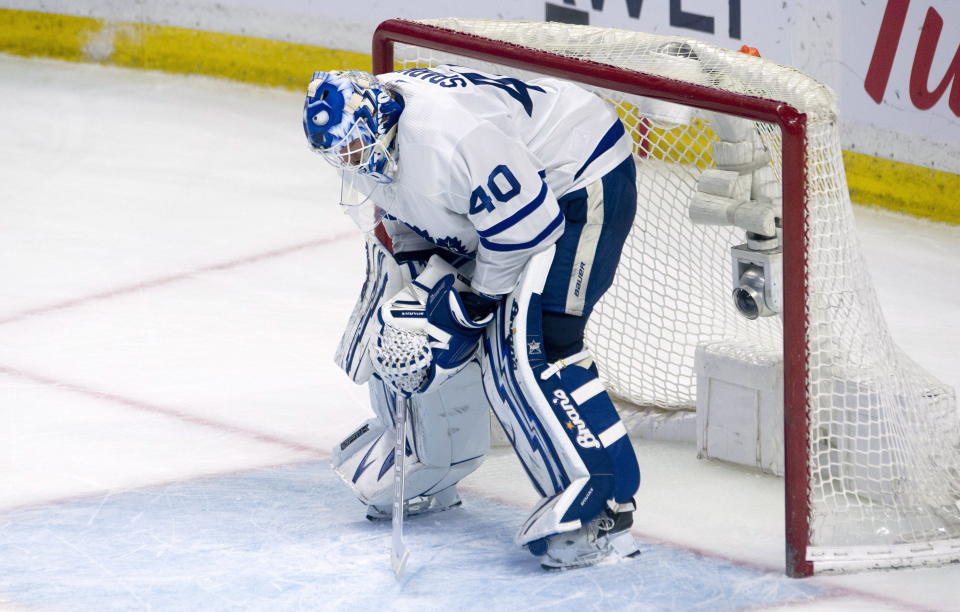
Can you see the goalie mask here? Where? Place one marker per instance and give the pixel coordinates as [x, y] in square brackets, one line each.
[350, 119]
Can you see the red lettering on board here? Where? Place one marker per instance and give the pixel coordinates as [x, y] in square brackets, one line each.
[885, 51]
[920, 74]
[886, 48]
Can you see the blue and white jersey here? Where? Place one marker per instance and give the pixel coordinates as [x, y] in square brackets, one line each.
[483, 158]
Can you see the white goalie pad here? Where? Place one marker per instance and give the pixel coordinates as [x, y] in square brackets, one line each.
[523, 411]
[385, 278]
[508, 378]
[447, 437]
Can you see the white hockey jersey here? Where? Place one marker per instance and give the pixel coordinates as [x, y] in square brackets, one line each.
[482, 159]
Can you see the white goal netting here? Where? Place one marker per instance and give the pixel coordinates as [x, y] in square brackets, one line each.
[884, 436]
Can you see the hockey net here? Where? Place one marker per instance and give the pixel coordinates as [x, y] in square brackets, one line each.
[872, 441]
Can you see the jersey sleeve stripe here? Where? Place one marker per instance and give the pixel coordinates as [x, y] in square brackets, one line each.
[496, 246]
[516, 217]
[609, 139]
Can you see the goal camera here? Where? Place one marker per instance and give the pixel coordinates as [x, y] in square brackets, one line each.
[757, 277]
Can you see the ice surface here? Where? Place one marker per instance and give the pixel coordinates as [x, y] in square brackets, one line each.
[293, 537]
[175, 275]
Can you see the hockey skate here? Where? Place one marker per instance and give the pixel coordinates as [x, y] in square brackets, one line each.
[424, 504]
[605, 537]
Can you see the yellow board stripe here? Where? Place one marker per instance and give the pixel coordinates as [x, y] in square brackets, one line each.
[907, 188]
[910, 189]
[181, 50]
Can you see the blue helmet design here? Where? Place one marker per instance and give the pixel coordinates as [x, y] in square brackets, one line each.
[349, 118]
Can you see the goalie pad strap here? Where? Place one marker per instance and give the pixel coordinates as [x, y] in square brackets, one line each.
[584, 393]
[613, 433]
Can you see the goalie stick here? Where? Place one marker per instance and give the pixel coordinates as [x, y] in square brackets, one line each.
[398, 548]
[401, 356]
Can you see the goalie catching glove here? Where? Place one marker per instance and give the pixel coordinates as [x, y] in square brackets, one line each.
[427, 334]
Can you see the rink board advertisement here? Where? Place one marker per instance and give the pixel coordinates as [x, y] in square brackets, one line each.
[894, 64]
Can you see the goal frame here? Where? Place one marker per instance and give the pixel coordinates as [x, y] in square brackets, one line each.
[793, 128]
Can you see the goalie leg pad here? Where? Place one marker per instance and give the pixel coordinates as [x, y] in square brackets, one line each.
[562, 424]
[447, 437]
[592, 421]
[598, 436]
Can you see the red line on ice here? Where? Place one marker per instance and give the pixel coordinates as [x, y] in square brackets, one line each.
[164, 411]
[172, 278]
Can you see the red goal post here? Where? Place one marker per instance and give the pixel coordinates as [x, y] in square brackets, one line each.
[793, 126]
[448, 37]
